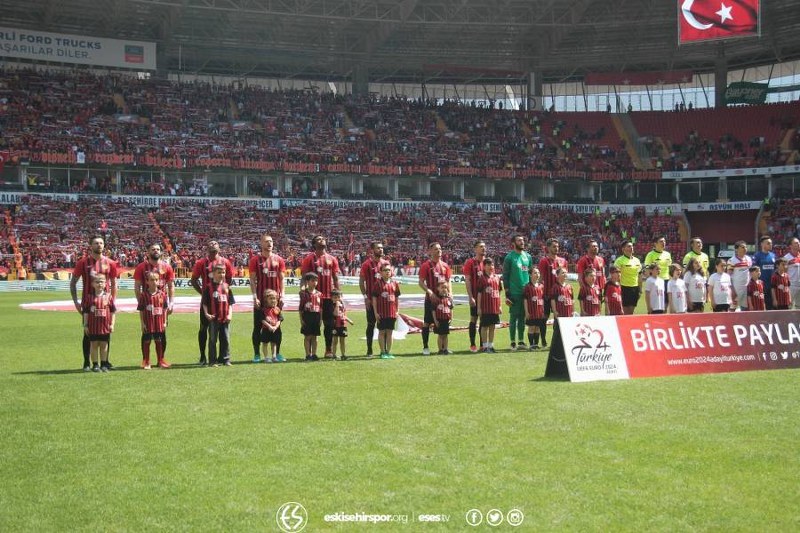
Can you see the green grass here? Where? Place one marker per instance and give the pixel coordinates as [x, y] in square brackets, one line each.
[222, 449]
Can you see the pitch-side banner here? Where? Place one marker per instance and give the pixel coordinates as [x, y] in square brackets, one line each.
[704, 20]
[639, 346]
[64, 48]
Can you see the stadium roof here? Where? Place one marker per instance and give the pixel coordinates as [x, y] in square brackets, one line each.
[434, 41]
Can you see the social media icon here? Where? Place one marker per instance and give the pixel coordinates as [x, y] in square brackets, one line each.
[494, 517]
[515, 517]
[474, 517]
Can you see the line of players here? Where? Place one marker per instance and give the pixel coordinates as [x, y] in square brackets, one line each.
[532, 294]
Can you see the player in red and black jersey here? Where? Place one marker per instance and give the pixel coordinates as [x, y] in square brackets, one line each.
[473, 271]
[217, 305]
[271, 333]
[202, 276]
[153, 263]
[534, 308]
[489, 303]
[432, 271]
[266, 274]
[385, 305]
[755, 291]
[86, 269]
[153, 309]
[98, 322]
[781, 286]
[594, 261]
[166, 278]
[310, 310]
[369, 275]
[326, 267]
[613, 293]
[589, 294]
[548, 266]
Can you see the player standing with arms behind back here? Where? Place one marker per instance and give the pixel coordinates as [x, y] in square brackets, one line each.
[516, 275]
[266, 274]
[431, 273]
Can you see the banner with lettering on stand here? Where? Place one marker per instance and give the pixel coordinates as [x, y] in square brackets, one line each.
[638, 346]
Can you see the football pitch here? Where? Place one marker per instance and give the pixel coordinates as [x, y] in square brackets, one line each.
[411, 444]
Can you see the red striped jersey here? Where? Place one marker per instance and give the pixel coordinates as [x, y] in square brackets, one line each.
[218, 298]
[162, 268]
[87, 267]
[99, 310]
[371, 273]
[153, 310]
[444, 309]
[597, 263]
[433, 274]
[310, 302]
[548, 268]
[613, 298]
[489, 289]
[325, 266]
[268, 272]
[590, 300]
[387, 296]
[562, 294]
[204, 268]
[339, 315]
[473, 269]
[781, 284]
[272, 316]
[534, 300]
[755, 295]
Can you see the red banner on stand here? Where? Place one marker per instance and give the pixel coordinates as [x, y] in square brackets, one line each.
[638, 346]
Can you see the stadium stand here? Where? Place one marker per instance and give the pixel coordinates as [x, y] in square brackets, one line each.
[113, 119]
[52, 234]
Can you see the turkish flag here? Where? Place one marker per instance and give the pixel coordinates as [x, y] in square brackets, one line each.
[703, 20]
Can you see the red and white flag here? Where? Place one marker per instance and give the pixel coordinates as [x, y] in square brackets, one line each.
[703, 20]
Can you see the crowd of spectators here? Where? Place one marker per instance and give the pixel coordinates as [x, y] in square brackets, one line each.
[784, 223]
[86, 113]
[52, 234]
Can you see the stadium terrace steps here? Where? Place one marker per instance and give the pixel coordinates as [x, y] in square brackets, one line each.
[627, 132]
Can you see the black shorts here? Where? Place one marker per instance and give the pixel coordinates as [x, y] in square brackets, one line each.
[312, 322]
[370, 314]
[428, 318]
[154, 336]
[473, 310]
[630, 296]
[534, 322]
[697, 307]
[489, 320]
[100, 338]
[442, 329]
[340, 332]
[327, 311]
[722, 308]
[386, 323]
[271, 336]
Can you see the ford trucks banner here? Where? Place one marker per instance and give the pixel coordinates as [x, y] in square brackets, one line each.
[639, 346]
[64, 48]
